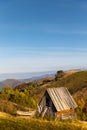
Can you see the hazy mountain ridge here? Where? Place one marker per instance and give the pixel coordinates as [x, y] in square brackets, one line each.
[38, 77]
[15, 82]
[27, 75]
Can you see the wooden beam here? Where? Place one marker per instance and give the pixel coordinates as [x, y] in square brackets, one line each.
[64, 111]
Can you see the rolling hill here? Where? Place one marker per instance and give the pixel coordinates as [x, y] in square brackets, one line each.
[30, 93]
[14, 82]
[76, 82]
[11, 82]
[73, 80]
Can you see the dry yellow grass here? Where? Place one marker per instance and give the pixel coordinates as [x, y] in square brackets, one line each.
[68, 73]
[9, 122]
[2, 114]
[83, 124]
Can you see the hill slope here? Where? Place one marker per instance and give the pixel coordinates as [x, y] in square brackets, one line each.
[14, 123]
[76, 81]
[1, 85]
[11, 82]
[29, 94]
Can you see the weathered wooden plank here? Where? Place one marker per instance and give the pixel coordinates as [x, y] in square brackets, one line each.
[22, 113]
[64, 111]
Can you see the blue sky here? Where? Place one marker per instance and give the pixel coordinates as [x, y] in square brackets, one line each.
[38, 35]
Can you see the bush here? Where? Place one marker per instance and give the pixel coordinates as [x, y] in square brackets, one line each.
[8, 107]
[59, 75]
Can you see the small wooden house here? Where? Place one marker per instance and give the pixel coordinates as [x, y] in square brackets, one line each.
[58, 103]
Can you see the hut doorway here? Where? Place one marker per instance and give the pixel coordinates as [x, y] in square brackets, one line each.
[47, 102]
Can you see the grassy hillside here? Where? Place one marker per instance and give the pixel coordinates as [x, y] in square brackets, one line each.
[29, 94]
[8, 122]
[75, 81]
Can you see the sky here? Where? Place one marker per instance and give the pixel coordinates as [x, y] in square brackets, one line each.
[42, 35]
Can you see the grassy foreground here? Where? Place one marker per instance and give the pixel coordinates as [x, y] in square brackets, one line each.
[8, 122]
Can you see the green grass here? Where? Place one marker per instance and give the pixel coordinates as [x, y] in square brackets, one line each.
[73, 82]
[15, 123]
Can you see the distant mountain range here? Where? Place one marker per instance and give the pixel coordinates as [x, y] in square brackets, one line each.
[37, 77]
[18, 78]
[15, 82]
[27, 75]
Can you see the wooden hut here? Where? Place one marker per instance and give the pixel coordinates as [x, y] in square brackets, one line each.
[58, 103]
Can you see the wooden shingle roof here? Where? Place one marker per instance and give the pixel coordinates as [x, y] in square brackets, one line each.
[61, 98]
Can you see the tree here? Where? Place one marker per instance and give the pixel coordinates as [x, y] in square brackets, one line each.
[59, 74]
